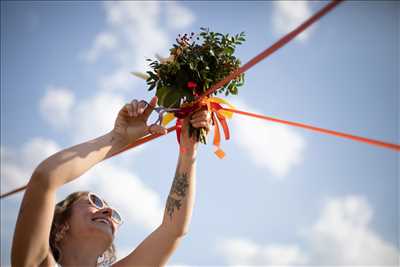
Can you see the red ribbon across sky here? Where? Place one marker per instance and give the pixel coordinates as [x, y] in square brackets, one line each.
[264, 54]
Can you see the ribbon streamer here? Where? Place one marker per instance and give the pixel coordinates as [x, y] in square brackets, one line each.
[218, 115]
[277, 45]
[270, 50]
[378, 143]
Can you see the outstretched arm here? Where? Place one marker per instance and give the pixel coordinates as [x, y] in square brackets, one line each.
[156, 249]
[71, 163]
[31, 237]
[180, 201]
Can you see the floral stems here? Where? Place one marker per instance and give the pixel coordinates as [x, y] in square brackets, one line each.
[200, 134]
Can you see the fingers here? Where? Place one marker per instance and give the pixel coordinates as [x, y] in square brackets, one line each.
[141, 107]
[134, 107]
[128, 108]
[157, 129]
[150, 107]
[201, 116]
[137, 108]
[202, 124]
[201, 119]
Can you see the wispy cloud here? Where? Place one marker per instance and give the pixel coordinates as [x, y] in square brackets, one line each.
[287, 15]
[275, 147]
[17, 165]
[96, 115]
[86, 119]
[103, 42]
[178, 16]
[138, 203]
[56, 105]
[135, 31]
[245, 252]
[342, 235]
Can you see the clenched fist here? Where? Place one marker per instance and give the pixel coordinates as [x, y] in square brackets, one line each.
[198, 119]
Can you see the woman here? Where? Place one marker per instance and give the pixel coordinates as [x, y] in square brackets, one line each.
[79, 230]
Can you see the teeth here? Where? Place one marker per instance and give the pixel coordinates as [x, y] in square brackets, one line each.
[102, 220]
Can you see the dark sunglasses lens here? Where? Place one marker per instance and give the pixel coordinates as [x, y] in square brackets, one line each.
[115, 215]
[96, 201]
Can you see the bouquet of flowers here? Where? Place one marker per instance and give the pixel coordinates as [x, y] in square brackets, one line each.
[196, 62]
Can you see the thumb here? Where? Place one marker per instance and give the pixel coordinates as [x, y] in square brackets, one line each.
[150, 107]
[156, 129]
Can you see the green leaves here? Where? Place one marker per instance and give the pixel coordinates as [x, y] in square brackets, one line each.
[168, 97]
[203, 63]
[195, 67]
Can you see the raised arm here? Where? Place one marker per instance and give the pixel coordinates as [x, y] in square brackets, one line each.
[156, 249]
[31, 237]
[180, 201]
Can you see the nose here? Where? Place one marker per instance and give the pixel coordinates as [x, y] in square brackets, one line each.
[107, 211]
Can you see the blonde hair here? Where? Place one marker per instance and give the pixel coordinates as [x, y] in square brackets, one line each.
[62, 213]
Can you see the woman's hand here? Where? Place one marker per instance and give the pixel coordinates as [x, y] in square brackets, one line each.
[199, 119]
[131, 122]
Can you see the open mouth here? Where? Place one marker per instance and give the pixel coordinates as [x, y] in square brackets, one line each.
[104, 221]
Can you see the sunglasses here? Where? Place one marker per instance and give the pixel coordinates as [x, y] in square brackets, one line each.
[97, 202]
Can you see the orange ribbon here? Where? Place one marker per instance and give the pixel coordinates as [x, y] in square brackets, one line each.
[219, 118]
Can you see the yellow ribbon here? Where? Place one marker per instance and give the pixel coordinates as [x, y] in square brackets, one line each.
[220, 116]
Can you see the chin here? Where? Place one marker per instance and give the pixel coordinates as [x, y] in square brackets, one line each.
[102, 231]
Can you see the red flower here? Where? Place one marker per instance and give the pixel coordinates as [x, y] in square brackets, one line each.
[191, 85]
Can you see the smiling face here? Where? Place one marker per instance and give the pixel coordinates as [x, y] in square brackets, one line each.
[86, 220]
[75, 218]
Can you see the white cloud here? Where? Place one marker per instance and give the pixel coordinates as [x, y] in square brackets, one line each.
[137, 27]
[287, 15]
[17, 165]
[118, 80]
[36, 150]
[103, 42]
[275, 147]
[121, 12]
[137, 202]
[140, 204]
[55, 106]
[245, 252]
[96, 116]
[178, 16]
[340, 236]
[135, 32]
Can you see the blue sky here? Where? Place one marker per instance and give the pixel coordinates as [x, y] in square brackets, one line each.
[282, 195]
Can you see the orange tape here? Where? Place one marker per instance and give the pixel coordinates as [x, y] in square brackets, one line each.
[395, 147]
[277, 45]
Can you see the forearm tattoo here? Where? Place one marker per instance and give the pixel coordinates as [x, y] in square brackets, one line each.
[177, 194]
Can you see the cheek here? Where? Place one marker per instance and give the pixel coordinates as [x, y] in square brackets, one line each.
[80, 220]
